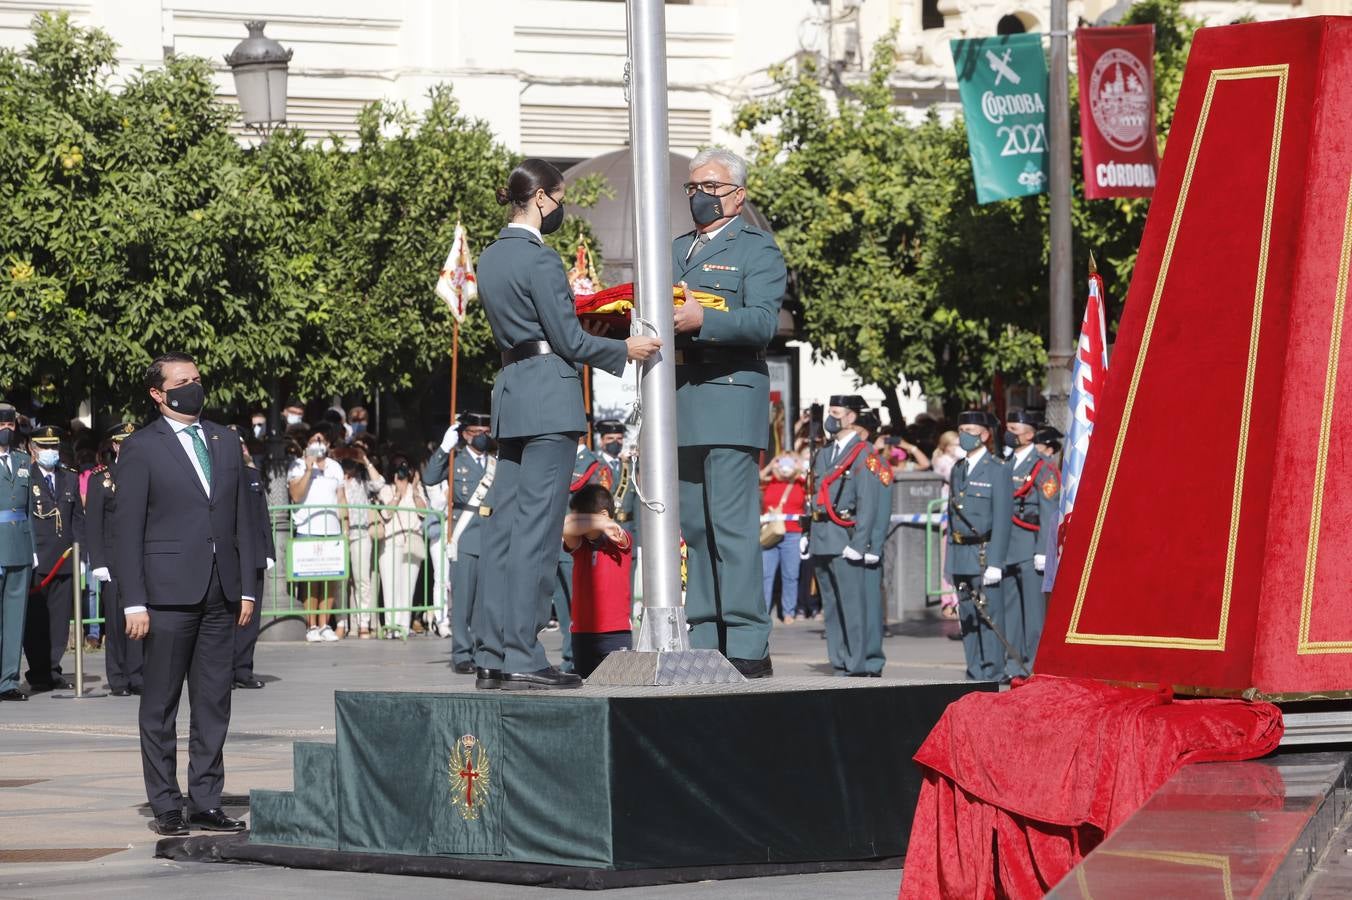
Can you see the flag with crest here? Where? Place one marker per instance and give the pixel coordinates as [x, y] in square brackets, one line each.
[457, 285]
[1086, 387]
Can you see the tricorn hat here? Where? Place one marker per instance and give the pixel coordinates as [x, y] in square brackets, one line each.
[978, 417]
[609, 426]
[472, 419]
[1023, 417]
[849, 401]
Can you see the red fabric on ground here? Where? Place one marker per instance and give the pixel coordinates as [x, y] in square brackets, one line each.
[1019, 786]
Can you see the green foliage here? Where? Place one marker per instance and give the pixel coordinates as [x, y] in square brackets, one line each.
[135, 223]
[901, 273]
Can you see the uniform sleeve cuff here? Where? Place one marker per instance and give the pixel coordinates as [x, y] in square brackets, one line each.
[250, 599]
[133, 609]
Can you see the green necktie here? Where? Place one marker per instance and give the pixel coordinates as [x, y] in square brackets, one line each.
[199, 447]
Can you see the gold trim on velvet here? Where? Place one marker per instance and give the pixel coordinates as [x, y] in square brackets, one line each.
[1217, 861]
[1073, 633]
[1305, 646]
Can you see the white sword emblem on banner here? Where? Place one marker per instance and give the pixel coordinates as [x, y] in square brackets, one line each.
[1000, 66]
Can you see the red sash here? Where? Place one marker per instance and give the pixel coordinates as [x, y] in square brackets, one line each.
[823, 493]
[1023, 492]
[586, 477]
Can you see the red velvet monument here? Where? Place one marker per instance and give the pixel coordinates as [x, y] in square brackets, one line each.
[1208, 549]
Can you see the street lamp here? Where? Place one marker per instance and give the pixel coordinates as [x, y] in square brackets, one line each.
[259, 66]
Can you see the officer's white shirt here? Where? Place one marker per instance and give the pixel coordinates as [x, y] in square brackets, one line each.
[694, 241]
[974, 459]
[185, 441]
[526, 227]
[841, 443]
[1021, 454]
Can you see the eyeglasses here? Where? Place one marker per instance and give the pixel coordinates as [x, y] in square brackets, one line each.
[708, 187]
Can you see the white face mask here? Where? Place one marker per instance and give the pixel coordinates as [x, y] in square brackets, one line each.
[293, 419]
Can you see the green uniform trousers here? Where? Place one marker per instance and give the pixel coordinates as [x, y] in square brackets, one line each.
[464, 584]
[720, 521]
[13, 611]
[985, 654]
[845, 611]
[873, 624]
[561, 603]
[1025, 611]
[520, 555]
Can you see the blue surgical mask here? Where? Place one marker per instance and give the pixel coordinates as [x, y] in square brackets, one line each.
[49, 459]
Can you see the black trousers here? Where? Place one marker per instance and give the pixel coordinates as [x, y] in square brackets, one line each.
[246, 637]
[47, 628]
[197, 643]
[591, 648]
[123, 658]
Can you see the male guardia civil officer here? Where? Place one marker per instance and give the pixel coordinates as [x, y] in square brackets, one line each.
[470, 507]
[123, 657]
[867, 425]
[184, 550]
[979, 520]
[1037, 490]
[844, 513]
[18, 552]
[723, 410]
[58, 524]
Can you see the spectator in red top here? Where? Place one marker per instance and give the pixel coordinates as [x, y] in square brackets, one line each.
[602, 557]
[783, 496]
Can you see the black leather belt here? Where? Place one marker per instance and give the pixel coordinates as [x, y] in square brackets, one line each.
[695, 356]
[822, 515]
[525, 351]
[960, 538]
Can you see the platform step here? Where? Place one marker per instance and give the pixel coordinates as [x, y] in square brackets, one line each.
[307, 815]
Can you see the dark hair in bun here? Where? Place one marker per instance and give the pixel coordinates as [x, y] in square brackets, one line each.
[530, 176]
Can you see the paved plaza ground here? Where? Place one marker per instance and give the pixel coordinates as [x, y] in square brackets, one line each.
[70, 777]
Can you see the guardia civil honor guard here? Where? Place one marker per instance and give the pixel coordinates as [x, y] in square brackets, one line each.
[123, 658]
[1036, 487]
[58, 522]
[722, 409]
[18, 552]
[844, 508]
[474, 467]
[980, 508]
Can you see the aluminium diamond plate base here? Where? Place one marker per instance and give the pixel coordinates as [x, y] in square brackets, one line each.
[665, 668]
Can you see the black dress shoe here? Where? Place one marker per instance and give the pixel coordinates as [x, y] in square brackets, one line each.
[547, 679]
[169, 823]
[250, 684]
[753, 668]
[214, 820]
[120, 692]
[135, 690]
[463, 668]
[487, 679]
[63, 685]
[41, 687]
[13, 694]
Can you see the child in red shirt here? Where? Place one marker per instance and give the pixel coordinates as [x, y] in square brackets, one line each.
[602, 556]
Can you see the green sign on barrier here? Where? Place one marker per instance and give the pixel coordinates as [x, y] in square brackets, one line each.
[1003, 84]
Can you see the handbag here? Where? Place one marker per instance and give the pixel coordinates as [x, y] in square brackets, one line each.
[773, 530]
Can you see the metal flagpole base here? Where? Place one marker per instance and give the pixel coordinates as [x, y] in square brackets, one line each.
[653, 668]
[86, 695]
[663, 628]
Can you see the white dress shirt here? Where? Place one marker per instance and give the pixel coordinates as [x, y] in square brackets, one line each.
[1021, 454]
[524, 226]
[694, 242]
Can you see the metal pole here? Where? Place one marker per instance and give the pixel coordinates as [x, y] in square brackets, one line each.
[663, 617]
[78, 618]
[1062, 333]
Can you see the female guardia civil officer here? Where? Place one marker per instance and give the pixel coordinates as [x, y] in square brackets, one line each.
[537, 419]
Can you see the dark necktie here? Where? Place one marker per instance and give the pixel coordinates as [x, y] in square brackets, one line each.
[700, 240]
[51, 483]
[199, 447]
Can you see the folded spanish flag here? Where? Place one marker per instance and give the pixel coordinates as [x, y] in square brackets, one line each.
[615, 303]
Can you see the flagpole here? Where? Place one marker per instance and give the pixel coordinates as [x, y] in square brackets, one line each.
[1061, 343]
[455, 364]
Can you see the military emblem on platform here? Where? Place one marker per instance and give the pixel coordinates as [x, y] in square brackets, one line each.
[469, 776]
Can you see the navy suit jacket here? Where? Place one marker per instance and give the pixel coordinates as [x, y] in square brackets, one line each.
[166, 526]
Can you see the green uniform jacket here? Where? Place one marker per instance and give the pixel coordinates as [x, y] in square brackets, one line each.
[882, 521]
[468, 474]
[854, 496]
[1036, 507]
[985, 498]
[17, 546]
[727, 404]
[526, 295]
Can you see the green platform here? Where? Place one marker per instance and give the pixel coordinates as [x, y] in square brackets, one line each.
[789, 770]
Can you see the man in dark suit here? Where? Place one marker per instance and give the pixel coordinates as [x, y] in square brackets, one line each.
[184, 554]
[265, 552]
[58, 523]
[121, 654]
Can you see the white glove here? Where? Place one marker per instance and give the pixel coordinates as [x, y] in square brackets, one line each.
[1040, 562]
[102, 574]
[852, 554]
[451, 439]
[35, 560]
[872, 559]
[992, 576]
[270, 563]
[802, 548]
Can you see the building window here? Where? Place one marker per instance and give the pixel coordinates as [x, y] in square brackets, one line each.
[1010, 25]
[930, 17]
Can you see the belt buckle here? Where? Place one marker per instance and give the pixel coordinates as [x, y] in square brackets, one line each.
[485, 511]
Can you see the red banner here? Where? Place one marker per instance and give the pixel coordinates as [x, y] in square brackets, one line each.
[1117, 110]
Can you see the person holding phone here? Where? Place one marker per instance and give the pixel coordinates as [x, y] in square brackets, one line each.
[315, 484]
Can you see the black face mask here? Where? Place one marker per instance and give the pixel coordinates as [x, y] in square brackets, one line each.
[481, 442]
[612, 448]
[550, 223]
[186, 398]
[6, 435]
[705, 208]
[831, 425]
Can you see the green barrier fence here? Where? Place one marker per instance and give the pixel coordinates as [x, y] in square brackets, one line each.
[935, 514]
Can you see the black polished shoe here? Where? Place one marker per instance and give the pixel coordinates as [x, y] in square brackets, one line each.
[753, 668]
[463, 668]
[13, 694]
[169, 823]
[41, 687]
[120, 692]
[135, 690]
[487, 679]
[546, 679]
[214, 820]
[62, 684]
[248, 684]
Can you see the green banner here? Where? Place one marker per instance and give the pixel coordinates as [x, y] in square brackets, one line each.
[1003, 83]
